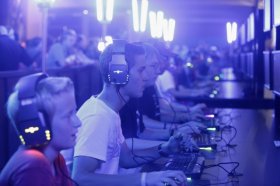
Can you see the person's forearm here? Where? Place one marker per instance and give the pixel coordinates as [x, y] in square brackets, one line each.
[139, 157]
[185, 93]
[155, 134]
[171, 118]
[151, 123]
[141, 143]
[179, 107]
[108, 180]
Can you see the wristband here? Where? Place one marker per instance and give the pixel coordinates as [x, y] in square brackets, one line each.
[143, 179]
[164, 154]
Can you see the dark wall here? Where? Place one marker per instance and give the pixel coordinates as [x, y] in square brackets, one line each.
[3, 12]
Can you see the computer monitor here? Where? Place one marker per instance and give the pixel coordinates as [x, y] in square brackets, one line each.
[267, 16]
[242, 34]
[276, 12]
[276, 72]
[250, 27]
[268, 70]
[250, 65]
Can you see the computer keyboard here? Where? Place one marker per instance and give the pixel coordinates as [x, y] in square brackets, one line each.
[205, 139]
[191, 164]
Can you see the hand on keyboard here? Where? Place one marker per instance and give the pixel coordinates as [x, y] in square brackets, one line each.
[189, 145]
[191, 127]
[171, 178]
[173, 145]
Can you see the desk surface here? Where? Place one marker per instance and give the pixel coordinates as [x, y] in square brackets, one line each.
[259, 159]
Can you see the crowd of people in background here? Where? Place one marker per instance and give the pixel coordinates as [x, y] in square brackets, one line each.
[72, 49]
[68, 49]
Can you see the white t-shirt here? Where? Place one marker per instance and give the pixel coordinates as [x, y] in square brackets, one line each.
[100, 135]
[165, 82]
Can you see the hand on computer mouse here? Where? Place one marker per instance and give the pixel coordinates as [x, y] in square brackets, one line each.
[169, 177]
[195, 116]
[198, 108]
[189, 145]
[192, 126]
[173, 145]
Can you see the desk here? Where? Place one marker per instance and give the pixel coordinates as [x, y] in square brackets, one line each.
[259, 159]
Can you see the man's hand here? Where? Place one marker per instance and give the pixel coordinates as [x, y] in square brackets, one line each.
[198, 108]
[161, 178]
[173, 145]
[191, 127]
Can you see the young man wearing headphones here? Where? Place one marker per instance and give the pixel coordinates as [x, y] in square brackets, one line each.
[43, 111]
[101, 148]
[135, 125]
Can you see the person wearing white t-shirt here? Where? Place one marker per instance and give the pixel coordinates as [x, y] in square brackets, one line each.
[164, 83]
[100, 148]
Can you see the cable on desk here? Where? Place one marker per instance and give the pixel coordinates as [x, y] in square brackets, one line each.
[231, 173]
[219, 183]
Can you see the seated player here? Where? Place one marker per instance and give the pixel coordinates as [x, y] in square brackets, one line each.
[101, 149]
[137, 126]
[43, 111]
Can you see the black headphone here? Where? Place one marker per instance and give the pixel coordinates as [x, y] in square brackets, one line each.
[30, 122]
[118, 68]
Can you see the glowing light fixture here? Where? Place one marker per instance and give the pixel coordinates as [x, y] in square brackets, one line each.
[231, 32]
[143, 16]
[234, 31]
[44, 3]
[109, 10]
[152, 16]
[85, 12]
[168, 29]
[103, 44]
[156, 23]
[100, 10]
[229, 39]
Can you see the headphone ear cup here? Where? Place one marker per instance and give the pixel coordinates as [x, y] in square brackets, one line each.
[118, 74]
[30, 123]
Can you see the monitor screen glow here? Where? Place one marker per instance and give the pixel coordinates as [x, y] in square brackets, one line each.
[267, 16]
[276, 12]
[242, 34]
[251, 27]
